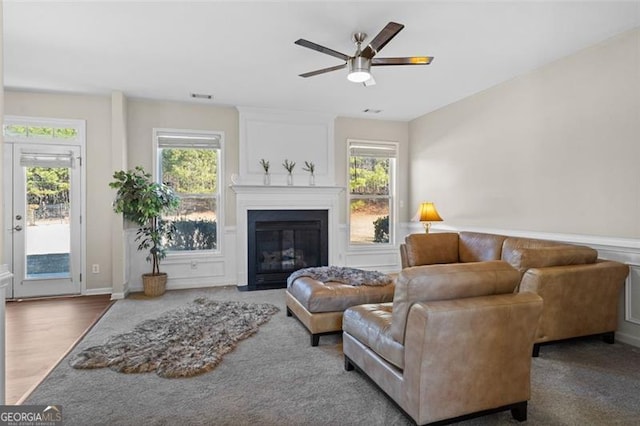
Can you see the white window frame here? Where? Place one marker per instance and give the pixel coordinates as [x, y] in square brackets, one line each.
[198, 137]
[383, 145]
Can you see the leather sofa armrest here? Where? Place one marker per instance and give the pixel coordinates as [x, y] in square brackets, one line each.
[481, 345]
[579, 300]
[403, 256]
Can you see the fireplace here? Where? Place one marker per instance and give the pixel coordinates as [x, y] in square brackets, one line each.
[283, 241]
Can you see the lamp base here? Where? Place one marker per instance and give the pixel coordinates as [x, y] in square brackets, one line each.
[427, 226]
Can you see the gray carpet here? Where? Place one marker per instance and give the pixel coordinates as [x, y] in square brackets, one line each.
[276, 378]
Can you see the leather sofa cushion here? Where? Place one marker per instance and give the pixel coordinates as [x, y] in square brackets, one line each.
[317, 296]
[477, 247]
[371, 326]
[445, 282]
[429, 249]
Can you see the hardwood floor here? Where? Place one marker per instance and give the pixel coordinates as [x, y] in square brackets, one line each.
[40, 332]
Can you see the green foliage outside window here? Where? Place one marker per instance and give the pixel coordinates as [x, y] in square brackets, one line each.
[40, 131]
[194, 235]
[47, 185]
[190, 171]
[369, 176]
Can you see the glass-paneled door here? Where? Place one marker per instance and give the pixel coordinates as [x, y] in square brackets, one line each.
[42, 204]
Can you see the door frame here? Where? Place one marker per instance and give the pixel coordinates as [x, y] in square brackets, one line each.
[78, 141]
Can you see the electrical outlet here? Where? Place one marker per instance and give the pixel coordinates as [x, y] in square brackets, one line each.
[95, 268]
[194, 264]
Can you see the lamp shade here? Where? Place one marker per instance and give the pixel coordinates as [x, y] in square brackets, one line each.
[428, 213]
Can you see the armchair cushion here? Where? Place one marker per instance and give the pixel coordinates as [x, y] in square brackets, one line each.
[371, 325]
[444, 282]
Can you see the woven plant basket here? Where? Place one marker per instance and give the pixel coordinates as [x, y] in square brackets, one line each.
[154, 285]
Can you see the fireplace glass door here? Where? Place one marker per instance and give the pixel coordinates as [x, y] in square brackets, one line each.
[280, 243]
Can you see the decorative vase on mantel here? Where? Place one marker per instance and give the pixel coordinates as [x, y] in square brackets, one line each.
[266, 179]
[289, 179]
[312, 179]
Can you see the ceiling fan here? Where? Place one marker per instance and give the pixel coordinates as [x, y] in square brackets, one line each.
[361, 62]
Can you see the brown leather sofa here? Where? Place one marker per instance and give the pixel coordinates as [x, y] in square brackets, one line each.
[580, 292]
[456, 340]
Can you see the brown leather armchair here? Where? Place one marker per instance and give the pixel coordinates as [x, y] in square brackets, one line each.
[456, 340]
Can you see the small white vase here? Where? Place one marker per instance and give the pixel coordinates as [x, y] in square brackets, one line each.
[266, 179]
[312, 179]
[289, 179]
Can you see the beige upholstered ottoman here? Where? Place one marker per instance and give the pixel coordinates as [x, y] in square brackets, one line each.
[319, 305]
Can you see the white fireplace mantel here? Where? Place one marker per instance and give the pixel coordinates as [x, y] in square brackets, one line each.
[276, 197]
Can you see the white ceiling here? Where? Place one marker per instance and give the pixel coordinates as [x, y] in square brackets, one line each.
[243, 52]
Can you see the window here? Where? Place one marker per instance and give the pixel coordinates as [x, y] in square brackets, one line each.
[190, 163]
[371, 192]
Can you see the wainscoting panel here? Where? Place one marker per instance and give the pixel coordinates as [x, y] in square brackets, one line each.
[632, 296]
[187, 271]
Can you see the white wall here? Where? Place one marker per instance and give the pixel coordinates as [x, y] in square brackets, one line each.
[555, 150]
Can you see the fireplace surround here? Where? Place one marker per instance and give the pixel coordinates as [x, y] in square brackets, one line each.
[275, 197]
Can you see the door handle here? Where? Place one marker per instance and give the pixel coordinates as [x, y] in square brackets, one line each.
[17, 228]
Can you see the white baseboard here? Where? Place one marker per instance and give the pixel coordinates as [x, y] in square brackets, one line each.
[97, 291]
[629, 339]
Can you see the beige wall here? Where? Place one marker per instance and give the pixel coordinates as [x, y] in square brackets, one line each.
[144, 116]
[374, 130]
[555, 150]
[96, 110]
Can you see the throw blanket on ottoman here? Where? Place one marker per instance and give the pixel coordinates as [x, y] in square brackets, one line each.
[345, 275]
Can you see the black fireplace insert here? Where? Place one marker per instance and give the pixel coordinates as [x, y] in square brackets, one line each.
[283, 241]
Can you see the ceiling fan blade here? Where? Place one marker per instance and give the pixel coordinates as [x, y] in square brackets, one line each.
[413, 60]
[323, 70]
[311, 45]
[381, 40]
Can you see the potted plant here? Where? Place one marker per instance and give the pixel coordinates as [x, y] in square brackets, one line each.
[143, 201]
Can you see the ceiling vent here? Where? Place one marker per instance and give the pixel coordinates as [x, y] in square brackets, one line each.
[201, 96]
[372, 111]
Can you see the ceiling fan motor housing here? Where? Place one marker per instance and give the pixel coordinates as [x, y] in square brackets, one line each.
[359, 69]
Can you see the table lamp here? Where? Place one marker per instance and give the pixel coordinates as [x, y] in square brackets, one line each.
[427, 213]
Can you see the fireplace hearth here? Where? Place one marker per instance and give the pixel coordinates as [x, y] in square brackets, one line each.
[283, 241]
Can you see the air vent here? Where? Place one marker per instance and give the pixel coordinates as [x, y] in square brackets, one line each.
[201, 96]
[372, 111]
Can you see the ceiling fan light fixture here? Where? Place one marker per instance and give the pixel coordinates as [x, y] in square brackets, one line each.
[358, 76]
[359, 69]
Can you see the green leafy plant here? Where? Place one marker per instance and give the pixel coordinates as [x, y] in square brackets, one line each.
[265, 165]
[381, 230]
[143, 201]
[309, 167]
[289, 165]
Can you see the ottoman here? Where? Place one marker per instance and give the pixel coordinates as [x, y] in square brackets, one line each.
[319, 305]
